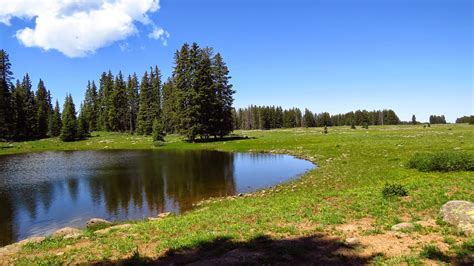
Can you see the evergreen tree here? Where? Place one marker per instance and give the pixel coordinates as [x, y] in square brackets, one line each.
[223, 115]
[413, 119]
[29, 106]
[56, 123]
[118, 109]
[69, 120]
[42, 110]
[308, 118]
[106, 88]
[90, 106]
[158, 130]
[133, 101]
[82, 125]
[155, 82]
[145, 111]
[169, 112]
[6, 122]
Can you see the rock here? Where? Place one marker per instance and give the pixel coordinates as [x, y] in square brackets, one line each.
[403, 227]
[460, 214]
[96, 221]
[34, 239]
[108, 229]
[164, 214]
[352, 241]
[67, 231]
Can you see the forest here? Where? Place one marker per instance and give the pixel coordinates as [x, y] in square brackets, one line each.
[196, 101]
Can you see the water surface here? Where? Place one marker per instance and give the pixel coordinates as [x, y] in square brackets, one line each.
[41, 192]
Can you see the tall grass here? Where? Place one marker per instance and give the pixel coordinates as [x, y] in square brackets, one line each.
[446, 161]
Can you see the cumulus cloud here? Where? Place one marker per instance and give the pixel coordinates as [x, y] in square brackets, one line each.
[159, 33]
[78, 28]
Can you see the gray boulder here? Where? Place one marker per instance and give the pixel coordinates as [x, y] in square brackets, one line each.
[67, 232]
[403, 227]
[460, 214]
[97, 221]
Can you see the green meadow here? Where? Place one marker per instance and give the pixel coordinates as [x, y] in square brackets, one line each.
[340, 199]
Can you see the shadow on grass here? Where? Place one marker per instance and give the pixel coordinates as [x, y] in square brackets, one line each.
[227, 138]
[262, 250]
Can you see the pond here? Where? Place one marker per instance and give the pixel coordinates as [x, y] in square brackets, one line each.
[42, 192]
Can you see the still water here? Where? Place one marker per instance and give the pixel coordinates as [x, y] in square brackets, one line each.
[42, 192]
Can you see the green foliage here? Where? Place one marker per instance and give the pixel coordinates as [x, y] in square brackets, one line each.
[6, 122]
[445, 161]
[158, 130]
[43, 110]
[82, 125]
[394, 190]
[437, 119]
[308, 119]
[55, 123]
[145, 112]
[431, 251]
[69, 120]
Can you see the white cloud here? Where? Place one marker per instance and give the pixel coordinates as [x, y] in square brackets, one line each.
[159, 33]
[78, 28]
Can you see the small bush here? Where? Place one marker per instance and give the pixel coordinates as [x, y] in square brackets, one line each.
[394, 190]
[431, 251]
[442, 161]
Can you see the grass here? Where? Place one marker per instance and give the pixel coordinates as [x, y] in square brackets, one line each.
[444, 161]
[354, 166]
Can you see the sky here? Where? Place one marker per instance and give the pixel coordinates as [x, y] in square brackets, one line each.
[413, 56]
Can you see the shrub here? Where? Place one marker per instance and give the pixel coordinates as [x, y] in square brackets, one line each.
[431, 251]
[442, 161]
[394, 190]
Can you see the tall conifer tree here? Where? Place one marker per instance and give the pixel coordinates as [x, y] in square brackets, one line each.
[42, 110]
[6, 75]
[69, 120]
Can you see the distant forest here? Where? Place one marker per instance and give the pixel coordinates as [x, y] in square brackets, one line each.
[268, 117]
[196, 101]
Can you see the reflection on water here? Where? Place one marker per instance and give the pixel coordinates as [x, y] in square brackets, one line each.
[42, 192]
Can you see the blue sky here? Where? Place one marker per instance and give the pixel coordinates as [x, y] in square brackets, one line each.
[415, 57]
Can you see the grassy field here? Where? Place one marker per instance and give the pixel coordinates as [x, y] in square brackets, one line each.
[305, 220]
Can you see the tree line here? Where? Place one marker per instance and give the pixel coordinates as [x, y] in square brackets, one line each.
[196, 101]
[268, 117]
[466, 119]
[437, 119]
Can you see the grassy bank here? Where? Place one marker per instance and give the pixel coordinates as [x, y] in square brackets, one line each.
[342, 199]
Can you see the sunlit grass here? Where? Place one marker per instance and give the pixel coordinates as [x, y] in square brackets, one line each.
[354, 166]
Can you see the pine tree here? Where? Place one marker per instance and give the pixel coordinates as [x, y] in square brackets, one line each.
[158, 130]
[69, 120]
[308, 118]
[82, 125]
[105, 100]
[169, 115]
[224, 100]
[56, 123]
[155, 82]
[133, 101]
[145, 112]
[29, 106]
[6, 122]
[90, 106]
[118, 109]
[42, 110]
